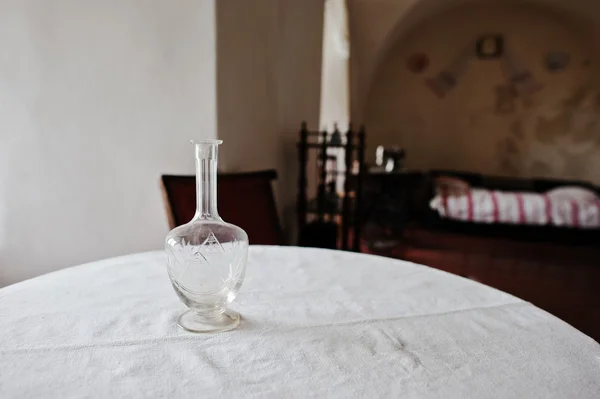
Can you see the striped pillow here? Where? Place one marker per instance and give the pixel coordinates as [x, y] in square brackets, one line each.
[522, 208]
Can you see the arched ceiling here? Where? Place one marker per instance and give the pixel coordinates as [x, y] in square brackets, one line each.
[375, 25]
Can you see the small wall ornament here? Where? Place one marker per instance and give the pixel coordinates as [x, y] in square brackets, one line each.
[447, 78]
[556, 61]
[417, 62]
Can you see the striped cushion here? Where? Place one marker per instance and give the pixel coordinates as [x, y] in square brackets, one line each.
[485, 206]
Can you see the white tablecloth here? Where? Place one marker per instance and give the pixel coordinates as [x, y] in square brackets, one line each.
[316, 323]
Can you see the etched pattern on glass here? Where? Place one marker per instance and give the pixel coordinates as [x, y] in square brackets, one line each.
[204, 271]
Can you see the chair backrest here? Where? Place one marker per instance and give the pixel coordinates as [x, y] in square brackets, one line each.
[244, 199]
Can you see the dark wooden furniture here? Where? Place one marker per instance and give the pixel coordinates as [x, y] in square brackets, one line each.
[561, 279]
[557, 269]
[320, 214]
[244, 199]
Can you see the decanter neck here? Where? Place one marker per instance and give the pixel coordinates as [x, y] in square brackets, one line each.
[206, 179]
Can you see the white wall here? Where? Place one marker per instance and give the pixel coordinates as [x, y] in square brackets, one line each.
[298, 90]
[269, 76]
[97, 99]
[247, 83]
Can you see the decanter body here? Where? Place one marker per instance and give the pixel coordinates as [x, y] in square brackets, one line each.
[207, 256]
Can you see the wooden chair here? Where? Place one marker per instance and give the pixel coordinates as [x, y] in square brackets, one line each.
[244, 199]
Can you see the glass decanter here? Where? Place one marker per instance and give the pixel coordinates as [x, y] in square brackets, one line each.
[207, 256]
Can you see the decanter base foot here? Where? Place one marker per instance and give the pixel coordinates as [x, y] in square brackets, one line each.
[194, 322]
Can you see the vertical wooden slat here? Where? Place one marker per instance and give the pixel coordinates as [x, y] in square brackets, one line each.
[321, 195]
[346, 200]
[358, 204]
[302, 157]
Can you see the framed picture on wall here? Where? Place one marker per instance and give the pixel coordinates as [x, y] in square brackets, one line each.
[490, 46]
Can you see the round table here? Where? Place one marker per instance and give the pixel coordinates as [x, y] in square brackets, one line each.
[316, 323]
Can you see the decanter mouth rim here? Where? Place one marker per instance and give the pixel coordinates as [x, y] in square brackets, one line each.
[207, 141]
